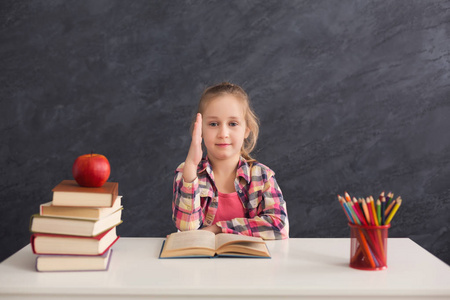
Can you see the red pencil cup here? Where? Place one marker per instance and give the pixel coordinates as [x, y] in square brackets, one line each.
[368, 250]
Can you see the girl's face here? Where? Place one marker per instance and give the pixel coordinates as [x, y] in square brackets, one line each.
[224, 127]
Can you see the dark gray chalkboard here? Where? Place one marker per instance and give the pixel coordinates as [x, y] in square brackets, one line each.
[352, 96]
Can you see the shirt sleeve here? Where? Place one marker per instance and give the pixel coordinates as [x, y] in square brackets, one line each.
[271, 221]
[187, 212]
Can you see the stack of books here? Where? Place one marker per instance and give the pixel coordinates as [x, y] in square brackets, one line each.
[76, 230]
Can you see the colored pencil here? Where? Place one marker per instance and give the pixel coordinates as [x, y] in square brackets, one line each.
[371, 212]
[366, 211]
[359, 212]
[347, 197]
[376, 236]
[352, 210]
[383, 208]
[389, 198]
[349, 210]
[342, 201]
[352, 219]
[366, 248]
[394, 210]
[379, 212]
[388, 209]
[374, 243]
[374, 212]
[372, 201]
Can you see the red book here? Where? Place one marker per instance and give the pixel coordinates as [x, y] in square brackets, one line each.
[42, 243]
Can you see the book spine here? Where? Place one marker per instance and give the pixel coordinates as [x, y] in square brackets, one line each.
[32, 238]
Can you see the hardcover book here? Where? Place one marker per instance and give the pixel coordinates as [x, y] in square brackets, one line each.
[70, 193]
[43, 243]
[75, 212]
[201, 243]
[52, 263]
[79, 227]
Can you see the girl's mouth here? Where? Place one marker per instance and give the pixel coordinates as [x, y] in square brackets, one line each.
[223, 145]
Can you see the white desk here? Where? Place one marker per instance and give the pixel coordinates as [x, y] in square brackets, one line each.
[299, 268]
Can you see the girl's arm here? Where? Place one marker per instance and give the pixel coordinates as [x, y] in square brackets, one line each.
[187, 212]
[271, 220]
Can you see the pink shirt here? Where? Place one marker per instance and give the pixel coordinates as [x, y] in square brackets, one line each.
[230, 207]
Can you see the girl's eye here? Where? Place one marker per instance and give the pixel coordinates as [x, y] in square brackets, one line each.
[232, 124]
[213, 124]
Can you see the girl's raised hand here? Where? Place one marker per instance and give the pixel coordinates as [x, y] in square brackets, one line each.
[195, 153]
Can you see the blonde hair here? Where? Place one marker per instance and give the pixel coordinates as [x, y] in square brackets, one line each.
[251, 120]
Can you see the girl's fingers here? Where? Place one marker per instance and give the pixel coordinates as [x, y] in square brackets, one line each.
[199, 124]
[197, 134]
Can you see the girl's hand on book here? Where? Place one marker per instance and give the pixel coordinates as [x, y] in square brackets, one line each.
[195, 153]
[213, 228]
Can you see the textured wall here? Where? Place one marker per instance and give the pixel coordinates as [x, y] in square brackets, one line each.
[352, 95]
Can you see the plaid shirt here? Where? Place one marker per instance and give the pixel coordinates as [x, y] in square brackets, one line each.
[195, 204]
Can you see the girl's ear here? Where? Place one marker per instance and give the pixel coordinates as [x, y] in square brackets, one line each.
[247, 132]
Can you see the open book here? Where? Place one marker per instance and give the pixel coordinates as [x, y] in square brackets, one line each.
[201, 243]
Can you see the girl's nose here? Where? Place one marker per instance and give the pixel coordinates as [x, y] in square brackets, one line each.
[223, 132]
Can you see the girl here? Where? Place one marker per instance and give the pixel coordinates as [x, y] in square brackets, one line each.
[227, 190]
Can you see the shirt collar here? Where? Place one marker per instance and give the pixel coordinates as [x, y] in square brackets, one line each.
[243, 169]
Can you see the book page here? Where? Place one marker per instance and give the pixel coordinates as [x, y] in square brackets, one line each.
[190, 239]
[227, 238]
[244, 249]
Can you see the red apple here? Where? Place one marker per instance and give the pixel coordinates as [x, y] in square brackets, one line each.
[91, 170]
